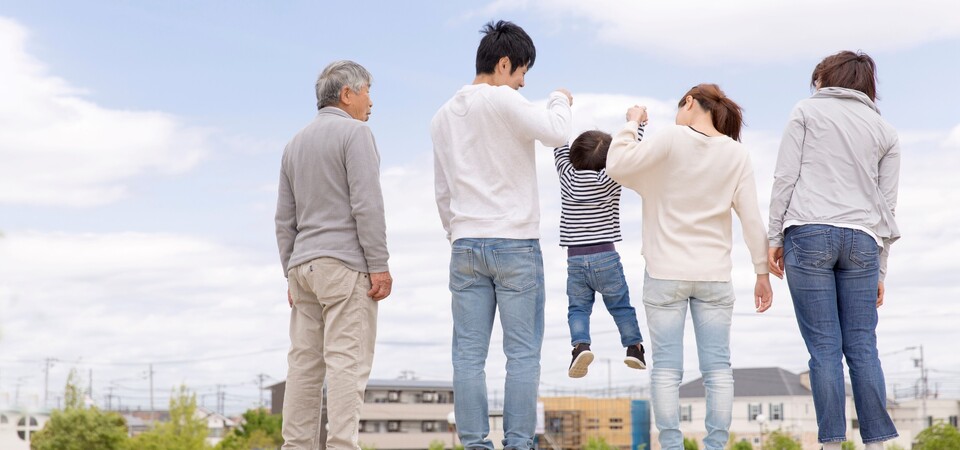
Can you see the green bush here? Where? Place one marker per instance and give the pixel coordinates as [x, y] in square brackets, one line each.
[938, 437]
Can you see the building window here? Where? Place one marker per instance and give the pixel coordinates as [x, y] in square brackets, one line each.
[555, 425]
[593, 423]
[428, 426]
[686, 413]
[429, 397]
[616, 423]
[393, 426]
[3, 419]
[854, 423]
[393, 396]
[776, 411]
[953, 421]
[24, 430]
[754, 410]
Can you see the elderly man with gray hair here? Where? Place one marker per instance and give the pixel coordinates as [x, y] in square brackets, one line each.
[332, 239]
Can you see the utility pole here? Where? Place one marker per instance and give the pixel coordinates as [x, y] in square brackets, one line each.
[150, 371]
[46, 380]
[923, 375]
[219, 399]
[109, 398]
[260, 378]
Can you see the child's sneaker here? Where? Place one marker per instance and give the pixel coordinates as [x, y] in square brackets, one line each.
[634, 358]
[582, 357]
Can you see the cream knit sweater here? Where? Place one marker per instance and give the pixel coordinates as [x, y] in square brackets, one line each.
[689, 183]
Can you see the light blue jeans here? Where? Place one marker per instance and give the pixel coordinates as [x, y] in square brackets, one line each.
[711, 308]
[487, 275]
[833, 275]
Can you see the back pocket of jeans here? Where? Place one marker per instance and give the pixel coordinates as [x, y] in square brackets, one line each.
[462, 274]
[610, 279]
[813, 248]
[864, 251]
[516, 268]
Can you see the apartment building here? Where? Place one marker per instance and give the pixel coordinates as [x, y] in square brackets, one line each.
[570, 422]
[405, 414]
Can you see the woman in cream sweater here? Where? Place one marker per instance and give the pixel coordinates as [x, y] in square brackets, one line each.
[691, 176]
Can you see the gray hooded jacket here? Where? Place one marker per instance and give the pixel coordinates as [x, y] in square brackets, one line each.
[839, 163]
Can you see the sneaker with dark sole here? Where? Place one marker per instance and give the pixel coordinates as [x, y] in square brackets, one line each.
[634, 359]
[582, 357]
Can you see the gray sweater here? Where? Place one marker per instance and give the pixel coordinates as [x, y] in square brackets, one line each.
[330, 203]
[839, 164]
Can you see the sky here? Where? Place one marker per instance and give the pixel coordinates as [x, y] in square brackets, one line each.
[139, 155]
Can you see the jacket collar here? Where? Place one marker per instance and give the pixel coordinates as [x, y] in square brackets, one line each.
[333, 110]
[852, 94]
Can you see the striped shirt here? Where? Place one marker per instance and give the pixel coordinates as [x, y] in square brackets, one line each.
[590, 203]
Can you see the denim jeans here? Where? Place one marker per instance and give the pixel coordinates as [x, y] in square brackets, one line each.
[603, 273]
[711, 308]
[833, 275]
[486, 276]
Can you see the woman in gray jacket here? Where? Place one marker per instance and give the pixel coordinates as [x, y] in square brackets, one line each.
[831, 226]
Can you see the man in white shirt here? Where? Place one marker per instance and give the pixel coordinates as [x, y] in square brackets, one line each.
[486, 189]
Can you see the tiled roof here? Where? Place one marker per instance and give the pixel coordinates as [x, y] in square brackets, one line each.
[758, 382]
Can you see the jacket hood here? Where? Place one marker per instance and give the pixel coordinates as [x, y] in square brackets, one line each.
[844, 93]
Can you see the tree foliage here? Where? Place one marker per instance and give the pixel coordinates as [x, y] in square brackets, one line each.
[741, 445]
[78, 428]
[940, 436]
[779, 440]
[847, 445]
[690, 444]
[184, 431]
[260, 431]
[598, 443]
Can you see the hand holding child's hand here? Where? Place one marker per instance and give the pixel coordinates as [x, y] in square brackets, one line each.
[637, 114]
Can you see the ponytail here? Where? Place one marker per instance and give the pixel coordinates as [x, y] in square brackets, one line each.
[727, 115]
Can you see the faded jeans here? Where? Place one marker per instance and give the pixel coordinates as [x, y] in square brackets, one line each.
[487, 276]
[833, 274]
[711, 308]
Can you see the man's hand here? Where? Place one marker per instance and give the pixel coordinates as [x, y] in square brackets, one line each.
[380, 285]
[763, 293]
[775, 261]
[568, 94]
[880, 294]
[289, 298]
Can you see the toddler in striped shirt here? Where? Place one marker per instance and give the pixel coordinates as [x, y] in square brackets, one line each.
[589, 226]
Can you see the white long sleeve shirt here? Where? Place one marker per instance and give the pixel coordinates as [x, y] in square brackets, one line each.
[485, 170]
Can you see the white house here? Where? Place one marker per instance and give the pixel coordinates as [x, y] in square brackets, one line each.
[781, 400]
[17, 426]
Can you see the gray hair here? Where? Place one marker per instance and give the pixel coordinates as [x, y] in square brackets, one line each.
[337, 75]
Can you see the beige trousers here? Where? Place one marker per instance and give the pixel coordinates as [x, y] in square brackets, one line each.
[333, 327]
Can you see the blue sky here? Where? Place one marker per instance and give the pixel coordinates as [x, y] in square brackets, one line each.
[140, 145]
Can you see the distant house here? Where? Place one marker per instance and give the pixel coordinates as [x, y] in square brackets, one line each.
[403, 414]
[142, 420]
[908, 416]
[16, 427]
[783, 398]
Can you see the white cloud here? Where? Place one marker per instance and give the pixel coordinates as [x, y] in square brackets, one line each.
[141, 297]
[744, 30]
[59, 148]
